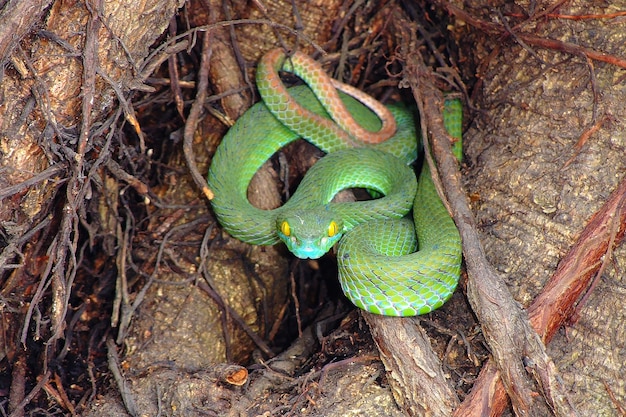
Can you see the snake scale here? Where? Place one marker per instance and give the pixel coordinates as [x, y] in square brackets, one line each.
[368, 146]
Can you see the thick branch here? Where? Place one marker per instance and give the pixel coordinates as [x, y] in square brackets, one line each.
[505, 324]
[554, 305]
[415, 374]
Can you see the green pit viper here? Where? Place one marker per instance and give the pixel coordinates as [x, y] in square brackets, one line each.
[369, 146]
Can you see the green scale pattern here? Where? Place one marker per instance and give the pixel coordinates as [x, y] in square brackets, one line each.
[379, 269]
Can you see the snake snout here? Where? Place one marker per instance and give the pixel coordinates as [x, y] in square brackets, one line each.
[309, 250]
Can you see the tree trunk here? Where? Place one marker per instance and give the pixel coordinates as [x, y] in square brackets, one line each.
[113, 265]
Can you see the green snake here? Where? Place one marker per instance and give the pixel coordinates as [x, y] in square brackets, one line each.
[379, 268]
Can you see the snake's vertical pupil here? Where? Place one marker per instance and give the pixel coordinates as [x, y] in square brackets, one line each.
[285, 229]
[333, 228]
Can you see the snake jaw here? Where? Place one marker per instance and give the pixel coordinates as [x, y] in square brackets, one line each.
[308, 249]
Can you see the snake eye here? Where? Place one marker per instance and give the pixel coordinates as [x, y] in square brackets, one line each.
[285, 229]
[333, 229]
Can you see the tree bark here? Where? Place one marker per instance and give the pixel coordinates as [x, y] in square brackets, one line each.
[84, 205]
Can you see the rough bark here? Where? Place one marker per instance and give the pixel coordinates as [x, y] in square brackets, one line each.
[544, 153]
[66, 66]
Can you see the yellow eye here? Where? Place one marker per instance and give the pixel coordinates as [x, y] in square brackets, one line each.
[285, 229]
[333, 229]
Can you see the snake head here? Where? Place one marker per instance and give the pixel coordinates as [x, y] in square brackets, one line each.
[309, 233]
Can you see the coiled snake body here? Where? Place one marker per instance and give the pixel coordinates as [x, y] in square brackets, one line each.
[379, 268]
